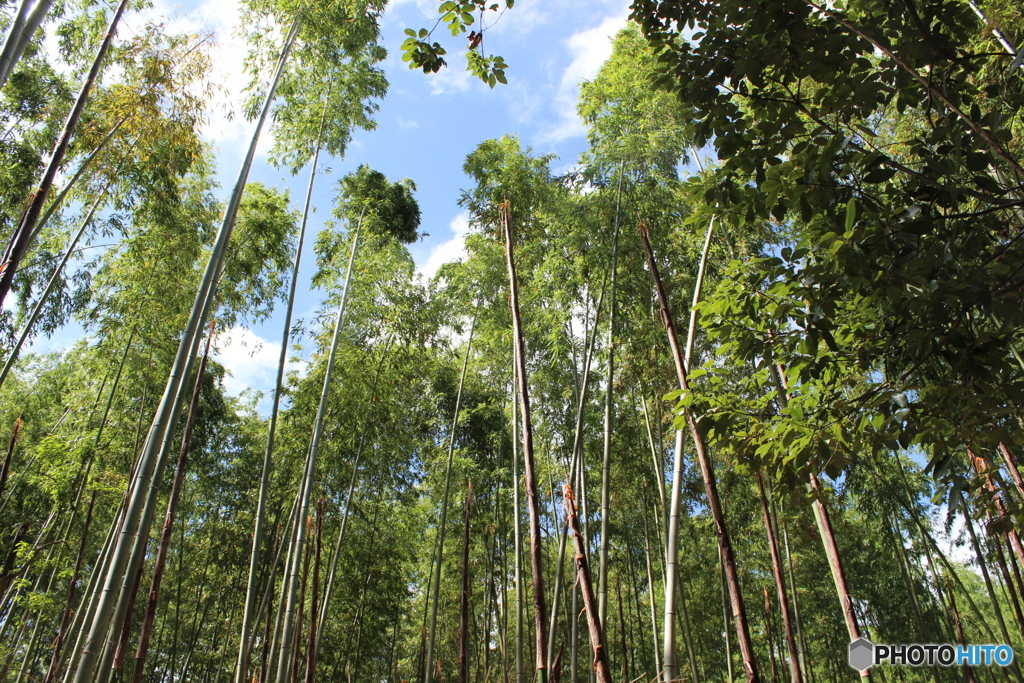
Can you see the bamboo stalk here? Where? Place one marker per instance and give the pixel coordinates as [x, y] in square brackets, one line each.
[983, 566]
[796, 607]
[1011, 467]
[329, 586]
[517, 542]
[908, 582]
[165, 418]
[532, 496]
[835, 563]
[58, 201]
[769, 633]
[296, 652]
[650, 594]
[113, 389]
[714, 503]
[248, 617]
[12, 442]
[609, 413]
[464, 600]
[825, 530]
[574, 466]
[312, 640]
[22, 236]
[622, 630]
[160, 562]
[967, 668]
[780, 585]
[26, 329]
[7, 56]
[20, 35]
[314, 449]
[443, 518]
[597, 639]
[58, 642]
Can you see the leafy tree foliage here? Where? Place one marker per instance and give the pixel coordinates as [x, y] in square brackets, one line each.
[852, 266]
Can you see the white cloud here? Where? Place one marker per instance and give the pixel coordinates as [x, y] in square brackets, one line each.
[954, 545]
[446, 252]
[589, 49]
[519, 21]
[251, 363]
[526, 102]
[396, 11]
[225, 127]
[452, 78]
[406, 124]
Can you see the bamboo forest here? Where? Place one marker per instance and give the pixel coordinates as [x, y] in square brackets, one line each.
[736, 390]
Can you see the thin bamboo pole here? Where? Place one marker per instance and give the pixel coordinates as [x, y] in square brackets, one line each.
[248, 617]
[329, 584]
[597, 637]
[442, 520]
[22, 237]
[780, 585]
[517, 541]
[160, 563]
[967, 668]
[576, 464]
[609, 414]
[311, 635]
[464, 598]
[44, 296]
[983, 566]
[650, 595]
[165, 419]
[532, 496]
[307, 484]
[711, 491]
[58, 642]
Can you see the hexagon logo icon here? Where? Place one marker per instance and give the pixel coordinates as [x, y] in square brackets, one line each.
[862, 654]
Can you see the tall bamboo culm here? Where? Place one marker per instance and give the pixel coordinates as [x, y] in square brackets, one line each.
[154, 453]
[711, 491]
[529, 469]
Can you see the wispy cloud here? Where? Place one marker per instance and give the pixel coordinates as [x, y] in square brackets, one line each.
[952, 544]
[446, 252]
[251, 363]
[226, 126]
[452, 79]
[589, 49]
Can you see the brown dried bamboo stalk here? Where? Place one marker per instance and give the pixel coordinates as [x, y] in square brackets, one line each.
[532, 496]
[1011, 467]
[597, 639]
[981, 467]
[6, 469]
[707, 471]
[311, 642]
[968, 670]
[142, 651]
[826, 532]
[780, 585]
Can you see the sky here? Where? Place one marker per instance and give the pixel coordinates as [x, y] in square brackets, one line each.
[426, 126]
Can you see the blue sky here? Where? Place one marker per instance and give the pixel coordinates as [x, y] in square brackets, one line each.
[427, 125]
